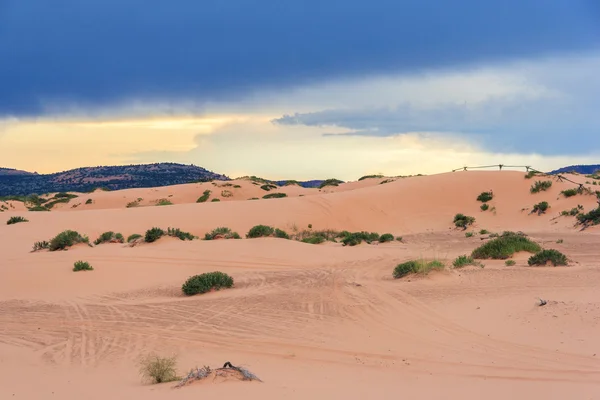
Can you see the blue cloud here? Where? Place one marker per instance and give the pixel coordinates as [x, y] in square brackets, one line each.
[99, 53]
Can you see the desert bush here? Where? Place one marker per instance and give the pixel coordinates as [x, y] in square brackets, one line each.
[463, 261]
[66, 239]
[313, 239]
[590, 218]
[548, 255]
[573, 211]
[463, 221]
[156, 369]
[204, 197]
[316, 237]
[226, 193]
[132, 204]
[570, 192]
[540, 207]
[260, 231]
[330, 182]
[505, 246]
[281, 234]
[268, 187]
[484, 207]
[530, 174]
[133, 237]
[254, 198]
[178, 233]
[163, 202]
[152, 235]
[41, 245]
[484, 197]
[88, 201]
[37, 208]
[369, 177]
[109, 237]
[509, 263]
[82, 266]
[540, 186]
[386, 237]
[221, 233]
[203, 283]
[469, 234]
[355, 238]
[215, 200]
[483, 232]
[274, 196]
[16, 220]
[416, 267]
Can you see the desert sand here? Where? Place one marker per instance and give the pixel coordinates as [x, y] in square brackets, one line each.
[312, 321]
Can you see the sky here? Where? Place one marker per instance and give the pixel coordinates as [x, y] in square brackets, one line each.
[300, 89]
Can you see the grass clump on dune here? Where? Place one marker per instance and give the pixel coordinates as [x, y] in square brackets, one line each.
[155, 369]
[43, 245]
[540, 186]
[178, 233]
[109, 237]
[463, 221]
[274, 195]
[416, 267]
[484, 207]
[16, 220]
[204, 197]
[505, 246]
[266, 231]
[484, 197]
[152, 235]
[268, 186]
[330, 182]
[386, 237]
[133, 237]
[540, 208]
[215, 200]
[203, 283]
[163, 202]
[66, 239]
[590, 218]
[369, 177]
[573, 211]
[530, 174]
[570, 192]
[464, 260]
[316, 237]
[221, 233]
[82, 266]
[355, 238]
[552, 256]
[509, 263]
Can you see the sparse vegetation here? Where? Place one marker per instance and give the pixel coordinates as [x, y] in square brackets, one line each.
[226, 193]
[386, 237]
[155, 369]
[109, 237]
[281, 234]
[548, 256]
[268, 186]
[178, 233]
[559, 241]
[484, 207]
[540, 208]
[509, 263]
[484, 197]
[215, 200]
[464, 260]
[152, 235]
[43, 245]
[530, 174]
[469, 234]
[569, 192]
[590, 218]
[133, 237]
[573, 212]
[221, 233]
[82, 266]
[132, 204]
[416, 267]
[204, 197]
[236, 186]
[330, 182]
[88, 201]
[203, 283]
[274, 195]
[163, 202]
[369, 177]
[66, 239]
[463, 221]
[316, 237]
[16, 220]
[505, 246]
[483, 232]
[355, 238]
[540, 186]
[260, 231]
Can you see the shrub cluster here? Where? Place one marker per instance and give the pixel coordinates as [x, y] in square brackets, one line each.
[355, 238]
[540, 186]
[268, 186]
[509, 263]
[109, 237]
[16, 220]
[316, 237]
[484, 197]
[416, 267]
[463, 221]
[82, 266]
[386, 237]
[590, 218]
[203, 283]
[66, 239]
[266, 231]
[548, 255]
[163, 202]
[573, 212]
[540, 207]
[221, 233]
[133, 237]
[505, 246]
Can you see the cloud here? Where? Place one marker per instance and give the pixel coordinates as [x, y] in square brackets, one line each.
[101, 55]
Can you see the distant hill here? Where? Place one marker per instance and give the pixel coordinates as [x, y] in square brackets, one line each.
[306, 184]
[14, 182]
[580, 169]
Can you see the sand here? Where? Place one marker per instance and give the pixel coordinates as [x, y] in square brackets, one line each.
[312, 321]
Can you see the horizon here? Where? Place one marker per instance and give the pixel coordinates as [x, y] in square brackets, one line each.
[310, 95]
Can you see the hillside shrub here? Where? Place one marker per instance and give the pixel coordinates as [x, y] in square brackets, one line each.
[540, 186]
[313, 239]
[530, 174]
[369, 177]
[355, 238]
[548, 255]
[589, 218]
[199, 284]
[330, 182]
[316, 237]
[274, 195]
[109, 237]
[505, 246]
[570, 192]
[509, 263]
[268, 187]
[260, 231]
[484, 197]
[82, 266]
[469, 234]
[37, 208]
[416, 267]
[133, 237]
[215, 200]
[540, 207]
[16, 220]
[484, 207]
[178, 233]
[281, 234]
[463, 261]
[386, 237]
[156, 369]
[152, 235]
[463, 221]
[163, 202]
[43, 245]
[204, 197]
[221, 233]
[89, 201]
[66, 239]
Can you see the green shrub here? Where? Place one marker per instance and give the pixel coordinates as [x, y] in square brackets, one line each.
[16, 220]
[260, 231]
[88, 201]
[399, 238]
[570, 192]
[540, 186]
[540, 207]
[469, 234]
[509, 263]
[132, 204]
[133, 237]
[386, 237]
[530, 174]
[236, 186]
[163, 202]
[309, 226]
[155, 369]
[573, 211]
[254, 198]
[152, 235]
[38, 208]
[355, 238]
[369, 177]
[268, 187]
[484, 207]
[484, 197]
[274, 195]
[505, 246]
[178, 233]
[204, 197]
[404, 269]
[463, 221]
[82, 266]
[203, 283]
[416, 267]
[463, 261]
[316, 237]
[215, 200]
[330, 182]
[590, 218]
[109, 237]
[281, 234]
[483, 232]
[548, 255]
[313, 239]
[66, 239]
[41, 245]
[221, 233]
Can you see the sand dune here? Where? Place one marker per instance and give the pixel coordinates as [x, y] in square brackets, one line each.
[312, 321]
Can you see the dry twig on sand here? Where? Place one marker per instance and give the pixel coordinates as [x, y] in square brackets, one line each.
[204, 372]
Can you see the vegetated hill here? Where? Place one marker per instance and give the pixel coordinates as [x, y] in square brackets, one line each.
[112, 178]
[305, 184]
[580, 169]
[13, 172]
